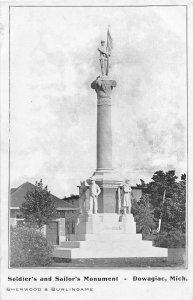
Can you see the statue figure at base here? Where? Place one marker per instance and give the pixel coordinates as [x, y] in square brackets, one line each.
[127, 197]
[93, 197]
[82, 196]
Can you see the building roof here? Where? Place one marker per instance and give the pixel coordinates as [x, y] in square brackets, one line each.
[18, 197]
[72, 197]
[138, 187]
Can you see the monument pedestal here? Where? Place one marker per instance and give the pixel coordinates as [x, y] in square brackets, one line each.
[105, 236]
[109, 181]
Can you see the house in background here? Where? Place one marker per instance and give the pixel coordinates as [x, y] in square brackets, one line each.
[57, 230]
[73, 199]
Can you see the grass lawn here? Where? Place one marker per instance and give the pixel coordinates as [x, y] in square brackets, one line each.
[135, 262]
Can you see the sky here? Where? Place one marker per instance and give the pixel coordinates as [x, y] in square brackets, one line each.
[54, 59]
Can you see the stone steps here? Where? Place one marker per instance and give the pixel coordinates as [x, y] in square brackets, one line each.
[145, 250]
[70, 244]
[104, 236]
[98, 243]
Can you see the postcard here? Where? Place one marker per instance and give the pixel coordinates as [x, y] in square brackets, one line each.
[96, 150]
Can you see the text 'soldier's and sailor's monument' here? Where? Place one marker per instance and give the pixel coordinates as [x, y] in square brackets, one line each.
[100, 232]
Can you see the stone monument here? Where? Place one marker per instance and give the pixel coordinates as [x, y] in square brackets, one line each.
[100, 232]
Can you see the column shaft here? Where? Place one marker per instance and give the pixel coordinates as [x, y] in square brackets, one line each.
[104, 137]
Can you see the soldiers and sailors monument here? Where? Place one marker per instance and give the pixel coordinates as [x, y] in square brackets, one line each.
[100, 231]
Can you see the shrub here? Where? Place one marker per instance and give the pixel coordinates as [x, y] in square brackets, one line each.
[29, 248]
[172, 239]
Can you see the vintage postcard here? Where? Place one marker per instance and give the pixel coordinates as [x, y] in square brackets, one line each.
[96, 150]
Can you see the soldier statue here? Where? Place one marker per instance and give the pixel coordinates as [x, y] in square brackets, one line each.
[93, 197]
[127, 197]
[104, 58]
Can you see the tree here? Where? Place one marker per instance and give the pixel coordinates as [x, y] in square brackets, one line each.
[173, 228]
[39, 208]
[165, 200]
[174, 209]
[161, 186]
[183, 177]
[142, 184]
[144, 215]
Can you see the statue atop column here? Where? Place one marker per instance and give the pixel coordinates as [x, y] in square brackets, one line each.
[127, 197]
[104, 56]
[105, 53]
[93, 197]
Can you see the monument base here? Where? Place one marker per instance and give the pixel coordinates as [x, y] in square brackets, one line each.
[108, 181]
[105, 236]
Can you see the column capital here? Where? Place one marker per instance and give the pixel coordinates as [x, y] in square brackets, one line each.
[103, 86]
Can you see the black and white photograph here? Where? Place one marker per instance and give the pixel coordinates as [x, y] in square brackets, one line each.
[97, 150]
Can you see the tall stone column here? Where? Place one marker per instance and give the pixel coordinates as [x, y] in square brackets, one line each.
[105, 175]
[103, 88]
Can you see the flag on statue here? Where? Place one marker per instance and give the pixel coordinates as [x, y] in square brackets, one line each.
[109, 42]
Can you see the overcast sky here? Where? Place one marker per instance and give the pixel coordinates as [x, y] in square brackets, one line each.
[54, 59]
